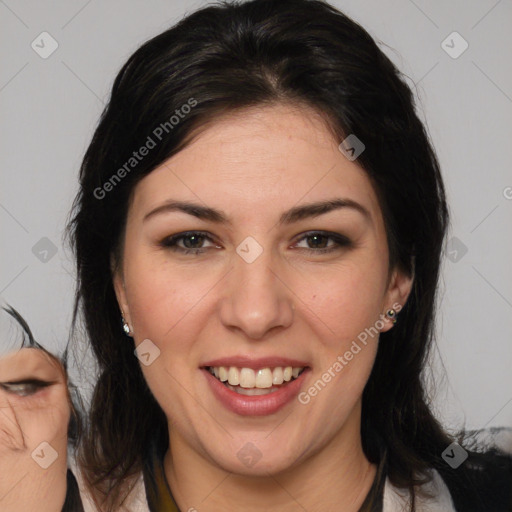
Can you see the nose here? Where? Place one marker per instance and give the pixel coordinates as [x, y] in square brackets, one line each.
[256, 298]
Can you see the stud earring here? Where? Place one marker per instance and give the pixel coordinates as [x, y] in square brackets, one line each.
[126, 327]
[391, 314]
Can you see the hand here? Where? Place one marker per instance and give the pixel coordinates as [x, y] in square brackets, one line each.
[34, 417]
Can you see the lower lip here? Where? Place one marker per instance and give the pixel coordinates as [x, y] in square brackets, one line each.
[259, 405]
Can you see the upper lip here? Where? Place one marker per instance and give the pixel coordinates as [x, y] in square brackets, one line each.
[255, 363]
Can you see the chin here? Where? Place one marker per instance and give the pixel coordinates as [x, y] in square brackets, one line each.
[254, 459]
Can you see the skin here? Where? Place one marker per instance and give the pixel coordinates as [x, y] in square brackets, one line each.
[25, 423]
[289, 302]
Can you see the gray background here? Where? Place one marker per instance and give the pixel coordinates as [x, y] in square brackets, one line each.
[49, 108]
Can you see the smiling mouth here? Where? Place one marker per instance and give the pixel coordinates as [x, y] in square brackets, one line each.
[249, 382]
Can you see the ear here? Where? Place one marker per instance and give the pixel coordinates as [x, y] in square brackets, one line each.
[120, 290]
[399, 288]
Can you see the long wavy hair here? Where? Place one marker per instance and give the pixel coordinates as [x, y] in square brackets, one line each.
[227, 57]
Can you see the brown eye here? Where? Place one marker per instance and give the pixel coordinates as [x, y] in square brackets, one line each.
[317, 242]
[192, 242]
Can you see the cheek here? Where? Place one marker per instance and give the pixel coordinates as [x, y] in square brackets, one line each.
[34, 420]
[166, 306]
[160, 296]
[346, 300]
[49, 419]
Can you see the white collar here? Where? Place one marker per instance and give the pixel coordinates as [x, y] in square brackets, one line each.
[397, 500]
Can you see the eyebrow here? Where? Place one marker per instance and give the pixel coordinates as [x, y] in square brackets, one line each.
[294, 214]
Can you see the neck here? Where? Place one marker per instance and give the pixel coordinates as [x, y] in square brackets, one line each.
[337, 477]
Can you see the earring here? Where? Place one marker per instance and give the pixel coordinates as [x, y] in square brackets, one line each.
[391, 314]
[126, 327]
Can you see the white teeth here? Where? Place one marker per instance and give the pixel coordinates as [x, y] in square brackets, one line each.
[223, 374]
[252, 391]
[233, 376]
[277, 376]
[247, 378]
[264, 378]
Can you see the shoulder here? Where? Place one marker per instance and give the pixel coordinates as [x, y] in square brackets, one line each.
[494, 438]
[487, 482]
[397, 499]
[487, 472]
[135, 502]
[483, 482]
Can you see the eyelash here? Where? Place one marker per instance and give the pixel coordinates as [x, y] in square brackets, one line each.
[34, 385]
[171, 242]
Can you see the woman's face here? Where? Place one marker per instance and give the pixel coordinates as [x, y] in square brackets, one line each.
[269, 282]
[34, 418]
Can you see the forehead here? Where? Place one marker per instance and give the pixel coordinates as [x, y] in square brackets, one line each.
[276, 156]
